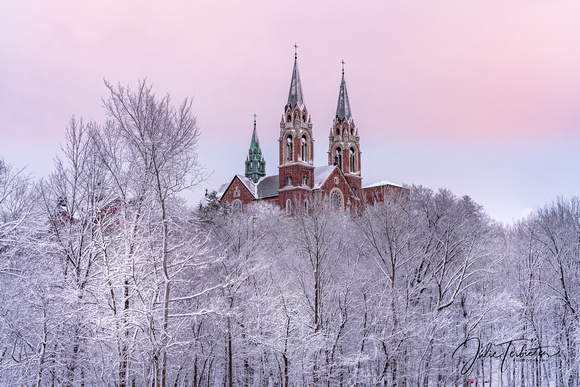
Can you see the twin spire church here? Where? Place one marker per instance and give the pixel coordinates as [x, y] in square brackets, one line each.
[299, 183]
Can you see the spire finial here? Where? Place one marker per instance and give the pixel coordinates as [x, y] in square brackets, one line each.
[295, 51]
[254, 120]
[342, 61]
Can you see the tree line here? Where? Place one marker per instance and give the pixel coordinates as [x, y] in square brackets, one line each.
[109, 277]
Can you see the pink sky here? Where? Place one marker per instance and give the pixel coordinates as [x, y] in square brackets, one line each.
[482, 97]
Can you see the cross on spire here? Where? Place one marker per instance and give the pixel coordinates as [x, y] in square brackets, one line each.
[295, 51]
[254, 119]
[342, 61]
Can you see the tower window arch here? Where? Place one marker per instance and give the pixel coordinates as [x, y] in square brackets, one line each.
[304, 148]
[289, 148]
[352, 160]
[338, 131]
[338, 158]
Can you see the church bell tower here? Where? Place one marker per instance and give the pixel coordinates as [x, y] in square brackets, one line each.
[296, 146]
[344, 146]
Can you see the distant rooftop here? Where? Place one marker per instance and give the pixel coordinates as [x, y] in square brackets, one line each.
[382, 183]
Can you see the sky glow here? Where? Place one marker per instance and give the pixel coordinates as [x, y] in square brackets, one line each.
[481, 97]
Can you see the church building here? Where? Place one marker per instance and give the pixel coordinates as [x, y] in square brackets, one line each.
[299, 183]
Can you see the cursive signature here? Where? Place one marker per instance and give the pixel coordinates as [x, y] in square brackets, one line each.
[517, 349]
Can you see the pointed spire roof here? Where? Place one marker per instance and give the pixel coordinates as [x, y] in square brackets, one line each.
[255, 163]
[295, 94]
[343, 106]
[255, 143]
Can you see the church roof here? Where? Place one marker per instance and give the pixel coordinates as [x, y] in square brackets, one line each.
[382, 183]
[268, 187]
[295, 94]
[343, 106]
[249, 184]
[222, 190]
[321, 174]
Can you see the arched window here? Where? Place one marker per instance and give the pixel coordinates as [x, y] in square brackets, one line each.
[338, 158]
[352, 160]
[288, 180]
[304, 149]
[289, 118]
[336, 198]
[306, 206]
[237, 206]
[338, 131]
[289, 148]
[288, 206]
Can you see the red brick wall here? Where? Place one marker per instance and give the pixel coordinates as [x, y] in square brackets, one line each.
[355, 182]
[296, 171]
[342, 185]
[378, 194]
[281, 151]
[297, 197]
[245, 195]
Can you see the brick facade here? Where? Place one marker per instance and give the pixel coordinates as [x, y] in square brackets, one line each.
[237, 191]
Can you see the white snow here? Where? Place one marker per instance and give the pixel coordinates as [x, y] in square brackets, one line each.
[321, 174]
[253, 188]
[381, 183]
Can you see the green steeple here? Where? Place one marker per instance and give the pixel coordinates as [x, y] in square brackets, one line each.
[255, 163]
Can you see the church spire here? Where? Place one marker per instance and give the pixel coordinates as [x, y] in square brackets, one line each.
[343, 106]
[255, 143]
[255, 163]
[344, 142]
[295, 94]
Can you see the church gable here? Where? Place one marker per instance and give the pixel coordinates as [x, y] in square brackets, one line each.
[239, 193]
[335, 187]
